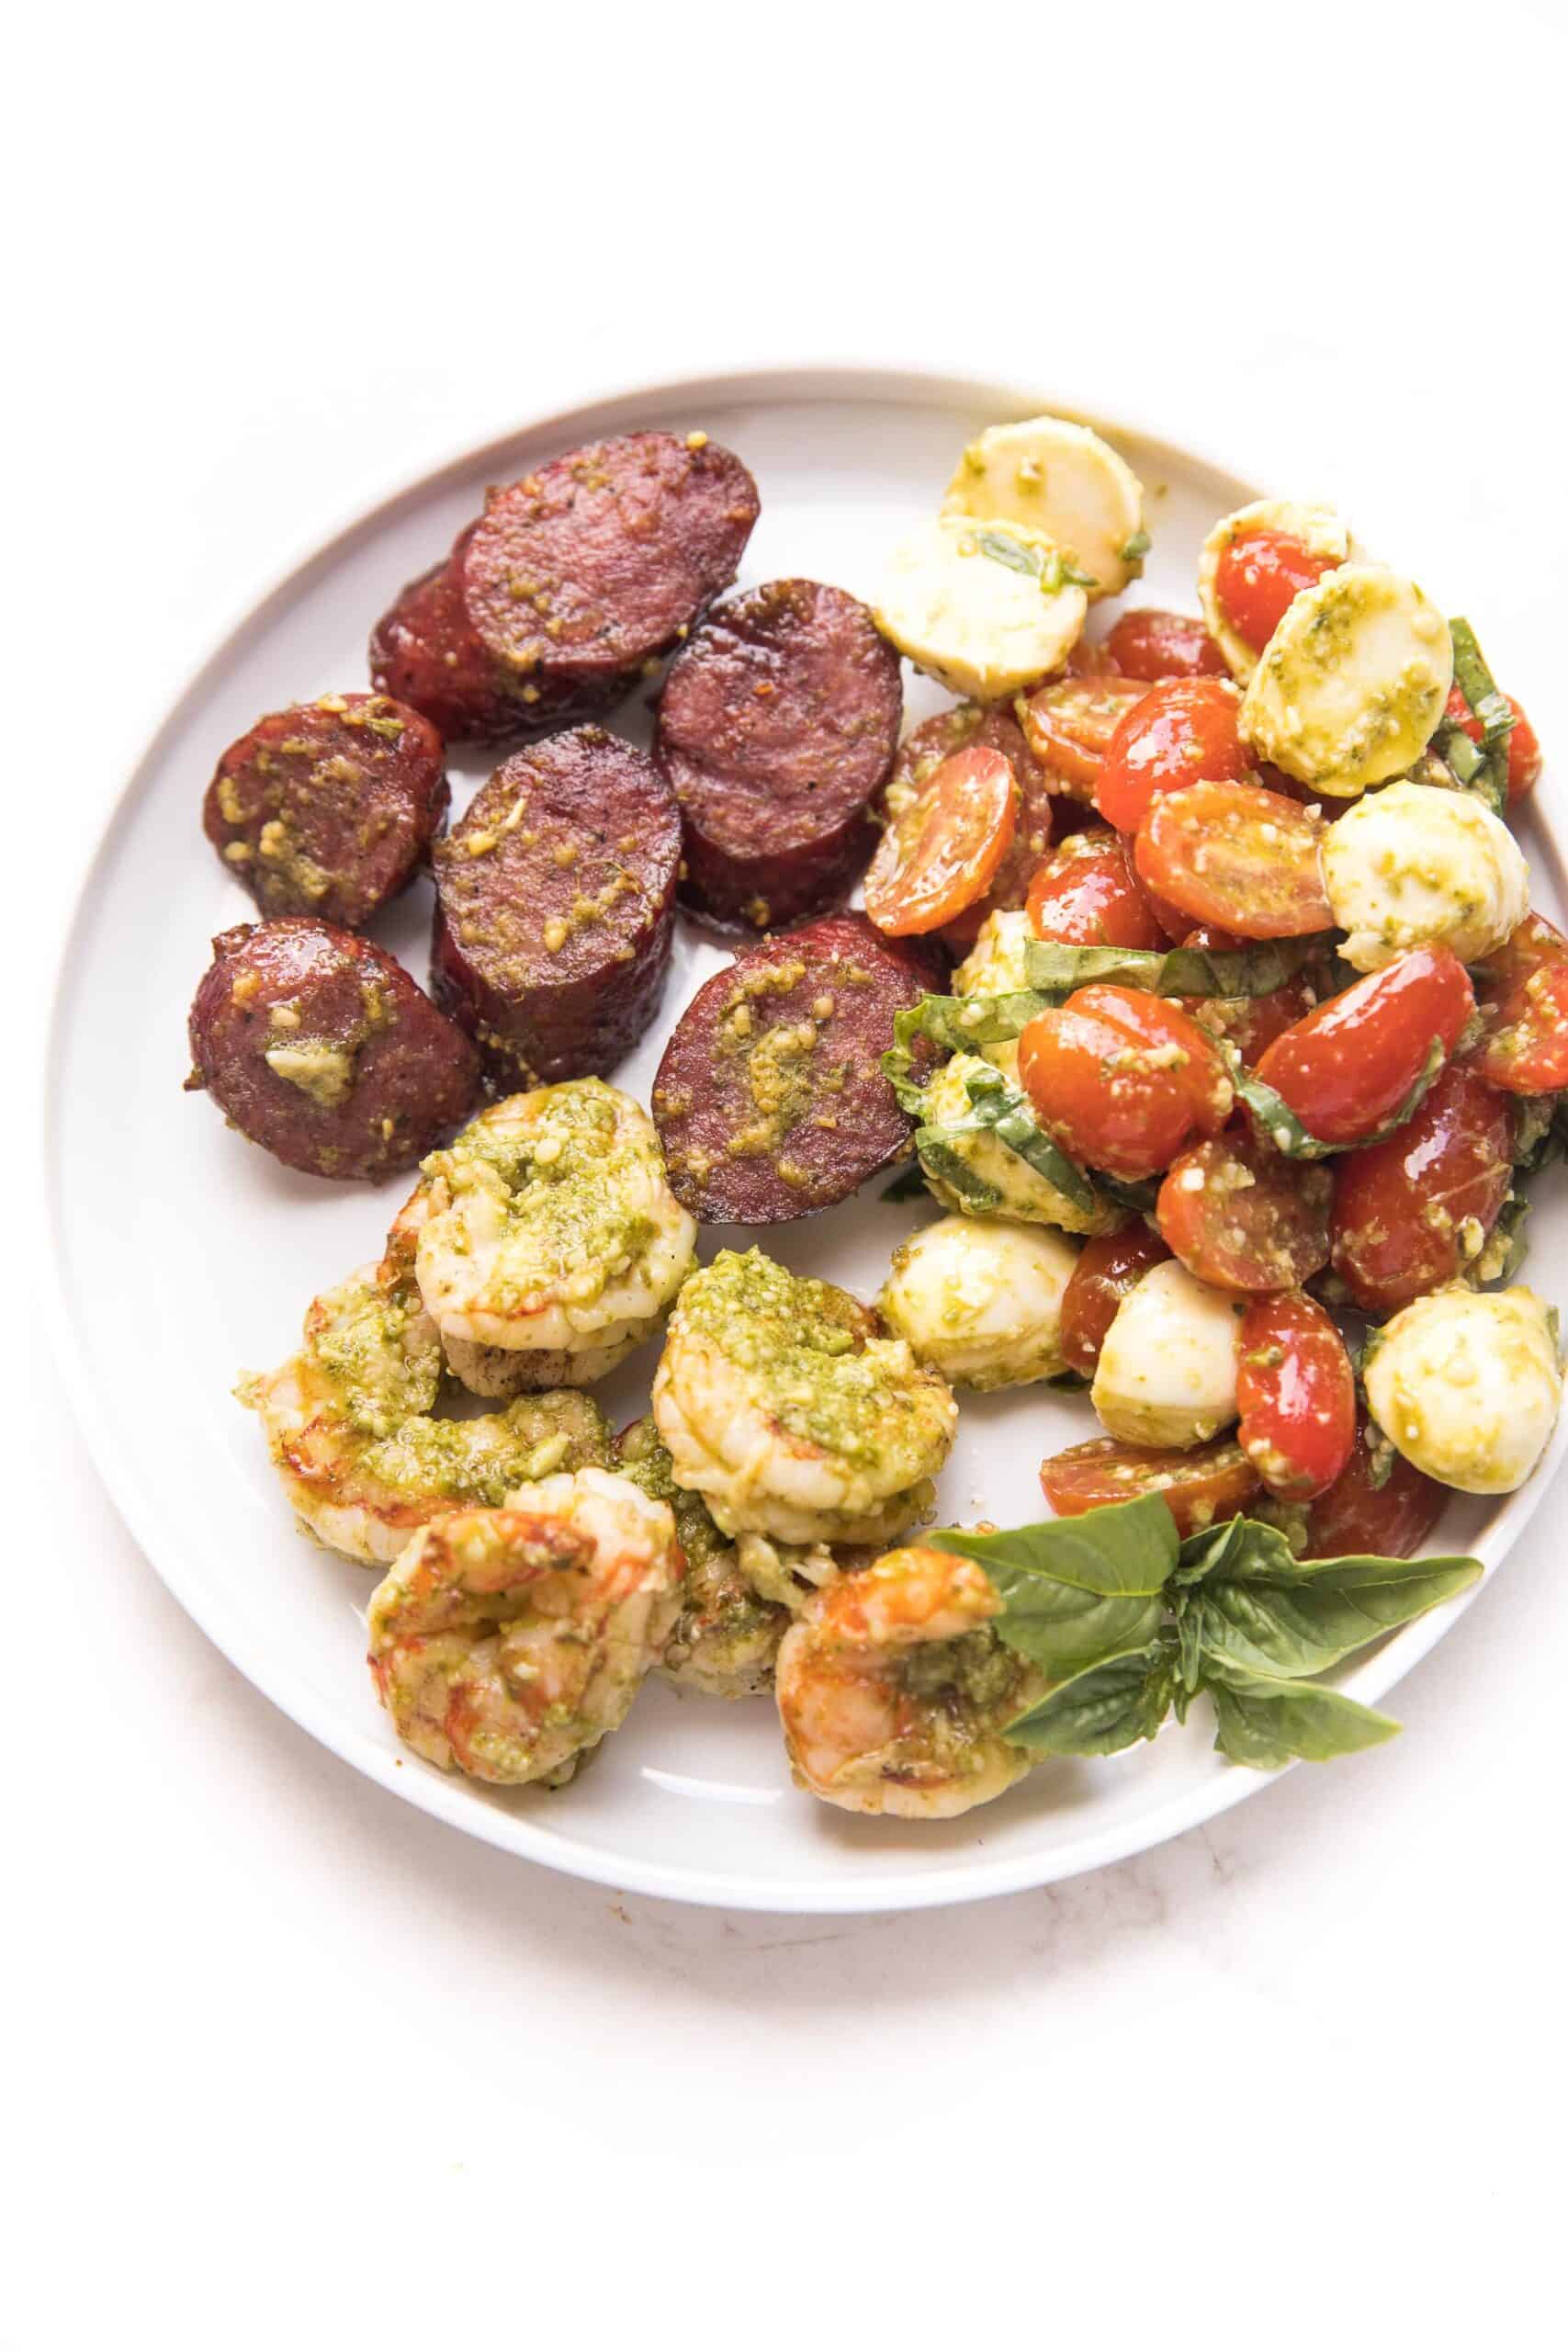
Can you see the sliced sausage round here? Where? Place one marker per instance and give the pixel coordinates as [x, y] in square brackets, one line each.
[771, 1101]
[323, 1050]
[583, 573]
[328, 809]
[993, 728]
[777, 725]
[556, 909]
[424, 652]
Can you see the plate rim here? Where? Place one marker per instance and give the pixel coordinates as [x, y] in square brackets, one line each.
[938, 1883]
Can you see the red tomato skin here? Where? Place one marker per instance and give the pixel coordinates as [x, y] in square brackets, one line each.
[1400, 1205]
[1230, 853]
[1120, 1080]
[1243, 1218]
[1200, 1487]
[1184, 732]
[1524, 743]
[1346, 1069]
[1152, 644]
[1524, 1007]
[1391, 1521]
[1108, 1266]
[1296, 1395]
[1258, 576]
[1069, 721]
[1087, 895]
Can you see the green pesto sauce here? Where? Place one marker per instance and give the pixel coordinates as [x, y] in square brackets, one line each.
[643, 1457]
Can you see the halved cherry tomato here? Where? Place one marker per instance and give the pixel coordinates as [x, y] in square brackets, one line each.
[942, 854]
[1107, 1269]
[1121, 1079]
[1296, 1393]
[1234, 855]
[1070, 720]
[1240, 1215]
[1524, 1008]
[1411, 1211]
[1391, 1520]
[1348, 1066]
[1147, 643]
[1207, 1484]
[1258, 576]
[1250, 1023]
[1182, 732]
[1040, 815]
[1087, 895]
[1524, 743]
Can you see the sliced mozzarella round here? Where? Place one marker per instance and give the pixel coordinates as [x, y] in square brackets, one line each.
[985, 607]
[1467, 1384]
[1167, 1372]
[981, 1301]
[1317, 528]
[1352, 682]
[1413, 865]
[1022, 1193]
[1064, 481]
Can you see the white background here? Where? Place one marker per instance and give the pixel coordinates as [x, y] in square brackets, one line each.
[288, 2062]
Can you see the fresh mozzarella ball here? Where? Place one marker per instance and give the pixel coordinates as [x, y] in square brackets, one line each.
[1466, 1384]
[1023, 1195]
[981, 1301]
[982, 607]
[997, 963]
[1414, 864]
[1352, 682]
[1167, 1372]
[1064, 481]
[1316, 528]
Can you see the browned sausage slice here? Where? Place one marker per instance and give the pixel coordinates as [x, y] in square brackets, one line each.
[423, 651]
[777, 724]
[328, 809]
[323, 1050]
[557, 907]
[769, 1100]
[581, 574]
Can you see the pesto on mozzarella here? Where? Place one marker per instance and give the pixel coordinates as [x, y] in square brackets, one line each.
[1413, 865]
[1352, 682]
[1023, 1195]
[981, 1300]
[985, 607]
[1316, 528]
[1467, 1384]
[1167, 1371]
[1062, 480]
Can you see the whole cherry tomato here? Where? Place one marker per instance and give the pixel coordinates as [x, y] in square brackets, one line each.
[1108, 1266]
[1411, 1211]
[1242, 1216]
[1087, 895]
[941, 854]
[1201, 1487]
[1390, 1520]
[1121, 1079]
[1258, 576]
[1346, 1069]
[1296, 1393]
[1182, 732]
[1524, 1010]
[1524, 743]
[1069, 721]
[1237, 855]
[1147, 643]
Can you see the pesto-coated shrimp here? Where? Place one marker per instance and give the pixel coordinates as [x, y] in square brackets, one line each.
[786, 1406]
[352, 1433]
[548, 1242]
[506, 1642]
[893, 1689]
[728, 1634]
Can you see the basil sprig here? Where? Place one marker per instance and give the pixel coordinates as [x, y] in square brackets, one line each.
[1289, 1134]
[1130, 1624]
[1482, 768]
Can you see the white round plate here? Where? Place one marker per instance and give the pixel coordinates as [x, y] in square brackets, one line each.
[202, 1254]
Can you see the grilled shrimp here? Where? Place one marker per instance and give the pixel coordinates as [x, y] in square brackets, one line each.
[350, 1427]
[547, 1241]
[507, 1642]
[728, 1634]
[893, 1689]
[789, 1409]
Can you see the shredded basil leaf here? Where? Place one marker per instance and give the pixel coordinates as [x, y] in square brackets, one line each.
[1287, 1134]
[1133, 550]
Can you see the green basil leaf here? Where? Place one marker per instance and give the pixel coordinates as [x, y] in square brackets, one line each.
[1133, 549]
[1258, 970]
[941, 1157]
[1003, 549]
[1324, 1611]
[1287, 1134]
[1267, 1723]
[1212, 1549]
[1121, 1551]
[1489, 775]
[1002, 1109]
[1109, 1707]
[1062, 1630]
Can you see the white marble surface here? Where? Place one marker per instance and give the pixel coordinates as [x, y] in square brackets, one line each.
[286, 2056]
